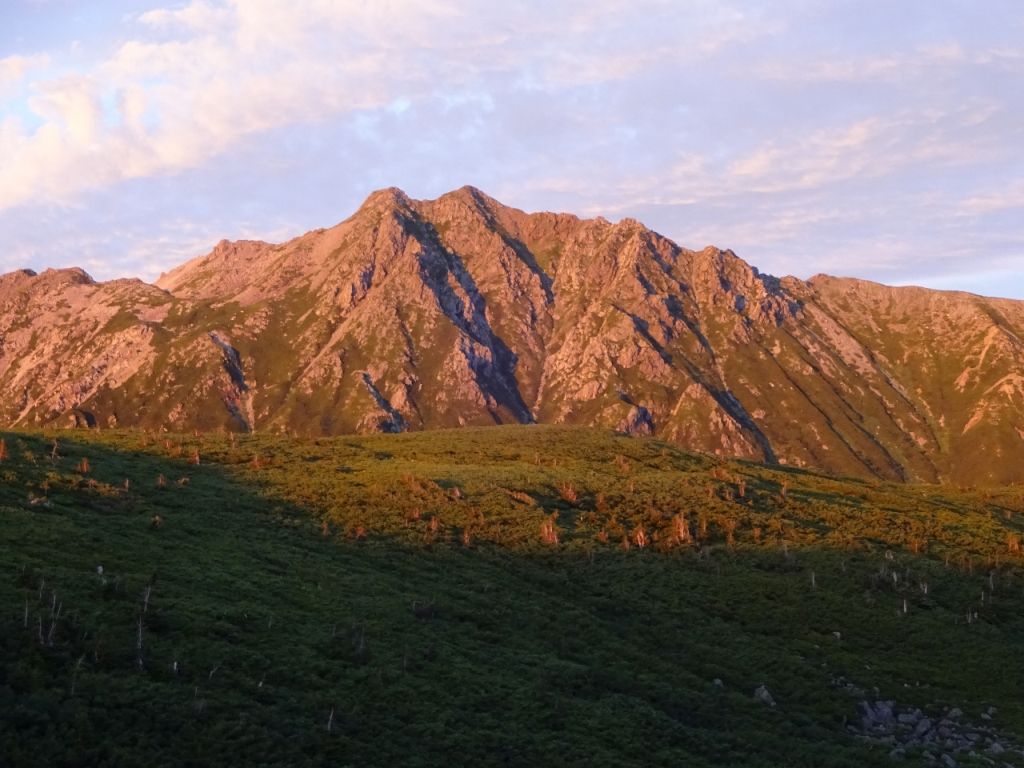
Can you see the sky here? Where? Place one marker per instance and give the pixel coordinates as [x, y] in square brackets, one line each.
[878, 139]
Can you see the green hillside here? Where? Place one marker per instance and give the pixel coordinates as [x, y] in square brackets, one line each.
[503, 596]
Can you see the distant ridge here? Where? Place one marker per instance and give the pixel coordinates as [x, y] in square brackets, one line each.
[419, 314]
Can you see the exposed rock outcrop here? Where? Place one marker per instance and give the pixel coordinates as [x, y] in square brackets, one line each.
[460, 311]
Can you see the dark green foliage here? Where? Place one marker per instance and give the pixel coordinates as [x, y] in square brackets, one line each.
[402, 584]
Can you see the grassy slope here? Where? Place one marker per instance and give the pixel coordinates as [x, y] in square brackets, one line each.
[314, 583]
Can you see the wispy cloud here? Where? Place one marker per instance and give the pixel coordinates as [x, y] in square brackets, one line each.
[1000, 200]
[869, 148]
[197, 15]
[190, 82]
[893, 66]
[15, 69]
[807, 136]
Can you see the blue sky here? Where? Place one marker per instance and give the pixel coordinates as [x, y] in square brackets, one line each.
[882, 140]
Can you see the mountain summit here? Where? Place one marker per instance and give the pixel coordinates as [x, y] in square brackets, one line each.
[420, 314]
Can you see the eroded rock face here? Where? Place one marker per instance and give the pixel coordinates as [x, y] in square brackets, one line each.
[460, 311]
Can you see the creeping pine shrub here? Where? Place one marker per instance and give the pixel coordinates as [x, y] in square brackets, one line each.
[729, 525]
[622, 463]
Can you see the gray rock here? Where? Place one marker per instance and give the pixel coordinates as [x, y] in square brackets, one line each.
[948, 761]
[763, 695]
[883, 712]
[923, 726]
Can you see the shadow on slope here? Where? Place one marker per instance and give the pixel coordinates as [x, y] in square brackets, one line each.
[230, 626]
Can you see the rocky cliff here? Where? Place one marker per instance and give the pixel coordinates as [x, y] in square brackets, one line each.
[458, 311]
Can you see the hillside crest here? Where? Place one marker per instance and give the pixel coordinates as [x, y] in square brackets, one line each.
[418, 314]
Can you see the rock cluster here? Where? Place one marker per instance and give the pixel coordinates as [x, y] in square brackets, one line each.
[944, 739]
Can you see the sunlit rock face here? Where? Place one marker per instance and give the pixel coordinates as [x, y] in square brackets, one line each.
[461, 311]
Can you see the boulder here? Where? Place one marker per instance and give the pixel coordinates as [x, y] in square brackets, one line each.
[763, 695]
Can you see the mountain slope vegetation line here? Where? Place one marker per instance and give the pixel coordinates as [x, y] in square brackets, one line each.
[460, 311]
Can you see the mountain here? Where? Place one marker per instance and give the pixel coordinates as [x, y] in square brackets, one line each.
[462, 311]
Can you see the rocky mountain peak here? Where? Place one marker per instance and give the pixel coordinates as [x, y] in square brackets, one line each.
[383, 199]
[418, 314]
[69, 276]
